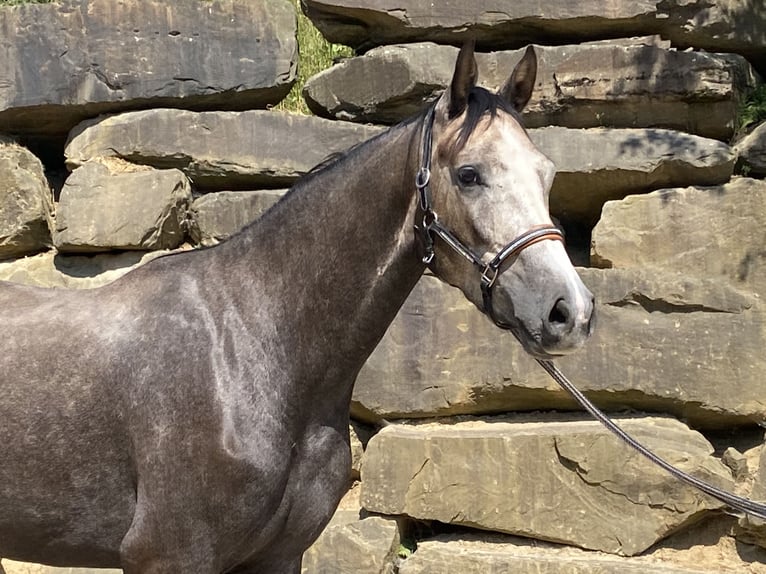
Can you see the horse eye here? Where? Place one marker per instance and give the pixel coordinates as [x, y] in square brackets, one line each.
[468, 175]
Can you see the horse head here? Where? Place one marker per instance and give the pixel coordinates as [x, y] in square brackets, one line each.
[493, 236]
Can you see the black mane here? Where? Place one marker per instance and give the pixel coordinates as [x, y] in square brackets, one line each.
[480, 102]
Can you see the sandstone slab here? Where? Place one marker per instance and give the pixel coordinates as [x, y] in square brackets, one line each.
[218, 150]
[711, 231]
[664, 342]
[354, 542]
[360, 436]
[108, 205]
[495, 23]
[752, 151]
[349, 511]
[367, 546]
[601, 164]
[718, 26]
[711, 25]
[751, 529]
[12, 567]
[486, 554]
[51, 269]
[217, 216]
[623, 84]
[26, 204]
[476, 555]
[69, 60]
[541, 478]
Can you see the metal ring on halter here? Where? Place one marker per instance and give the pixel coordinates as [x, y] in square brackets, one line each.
[486, 280]
[423, 177]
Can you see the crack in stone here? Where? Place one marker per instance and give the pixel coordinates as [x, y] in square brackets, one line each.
[575, 467]
[417, 472]
[652, 305]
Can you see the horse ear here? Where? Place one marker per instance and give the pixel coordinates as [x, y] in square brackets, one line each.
[463, 80]
[518, 89]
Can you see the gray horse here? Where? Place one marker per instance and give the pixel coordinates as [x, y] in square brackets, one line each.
[192, 416]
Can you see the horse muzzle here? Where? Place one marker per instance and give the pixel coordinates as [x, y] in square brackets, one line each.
[550, 312]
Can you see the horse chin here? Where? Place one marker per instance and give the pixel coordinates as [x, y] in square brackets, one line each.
[534, 342]
[535, 349]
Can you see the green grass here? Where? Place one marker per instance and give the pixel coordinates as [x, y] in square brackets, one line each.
[753, 110]
[315, 54]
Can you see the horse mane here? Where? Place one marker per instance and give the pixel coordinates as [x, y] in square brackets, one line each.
[480, 102]
[339, 156]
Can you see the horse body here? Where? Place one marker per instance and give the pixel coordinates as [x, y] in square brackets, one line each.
[193, 415]
[175, 384]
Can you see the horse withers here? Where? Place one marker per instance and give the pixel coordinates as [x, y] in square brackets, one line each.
[192, 416]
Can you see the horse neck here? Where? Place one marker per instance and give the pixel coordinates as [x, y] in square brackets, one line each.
[336, 258]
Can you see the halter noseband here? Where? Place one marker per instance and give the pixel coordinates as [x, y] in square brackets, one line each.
[432, 227]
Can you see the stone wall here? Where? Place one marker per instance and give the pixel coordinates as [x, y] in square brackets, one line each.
[133, 128]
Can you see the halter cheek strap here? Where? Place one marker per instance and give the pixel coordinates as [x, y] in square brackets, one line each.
[431, 228]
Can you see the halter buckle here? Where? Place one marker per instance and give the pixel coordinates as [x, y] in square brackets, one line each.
[487, 280]
[428, 220]
[423, 177]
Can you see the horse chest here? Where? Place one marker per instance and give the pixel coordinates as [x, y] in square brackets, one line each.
[319, 476]
[315, 476]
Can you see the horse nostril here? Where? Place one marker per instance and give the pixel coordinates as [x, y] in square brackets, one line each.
[560, 314]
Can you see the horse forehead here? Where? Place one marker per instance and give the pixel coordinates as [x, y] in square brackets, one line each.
[503, 134]
[500, 138]
[508, 152]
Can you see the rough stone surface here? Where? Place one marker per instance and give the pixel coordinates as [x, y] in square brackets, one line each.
[664, 342]
[354, 543]
[367, 546]
[711, 231]
[487, 554]
[750, 529]
[111, 204]
[718, 26]
[494, 23]
[217, 216]
[218, 150]
[360, 436]
[712, 25]
[349, 511]
[63, 62]
[600, 164]
[541, 477]
[491, 555]
[26, 204]
[12, 567]
[51, 269]
[613, 84]
[752, 151]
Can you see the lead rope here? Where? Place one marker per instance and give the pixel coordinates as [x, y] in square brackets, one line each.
[738, 503]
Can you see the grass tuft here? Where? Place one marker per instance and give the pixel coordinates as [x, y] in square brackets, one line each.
[315, 54]
[752, 111]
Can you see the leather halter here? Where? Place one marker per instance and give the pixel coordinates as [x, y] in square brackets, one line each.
[432, 227]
